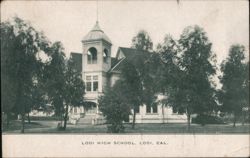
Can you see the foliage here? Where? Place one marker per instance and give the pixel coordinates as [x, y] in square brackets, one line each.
[115, 106]
[165, 69]
[142, 41]
[73, 89]
[74, 85]
[207, 119]
[20, 43]
[63, 81]
[246, 85]
[38, 95]
[134, 94]
[193, 91]
[234, 93]
[53, 77]
[168, 64]
[143, 71]
[28, 82]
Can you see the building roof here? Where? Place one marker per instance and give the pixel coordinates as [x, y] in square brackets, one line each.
[96, 34]
[114, 61]
[131, 55]
[117, 67]
[77, 59]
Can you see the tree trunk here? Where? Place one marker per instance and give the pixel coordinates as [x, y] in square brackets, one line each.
[234, 124]
[65, 118]
[188, 118]
[61, 118]
[28, 117]
[243, 119]
[7, 119]
[163, 115]
[163, 108]
[23, 122]
[60, 114]
[133, 124]
[188, 122]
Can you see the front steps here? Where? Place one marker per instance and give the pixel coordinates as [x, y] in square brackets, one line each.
[86, 120]
[91, 119]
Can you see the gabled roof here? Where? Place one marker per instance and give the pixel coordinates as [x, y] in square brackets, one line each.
[117, 67]
[77, 59]
[96, 34]
[131, 55]
[114, 61]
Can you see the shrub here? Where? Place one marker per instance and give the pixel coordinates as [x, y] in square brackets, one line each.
[116, 128]
[114, 108]
[207, 119]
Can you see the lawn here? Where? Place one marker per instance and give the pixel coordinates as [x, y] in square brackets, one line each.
[16, 125]
[175, 128]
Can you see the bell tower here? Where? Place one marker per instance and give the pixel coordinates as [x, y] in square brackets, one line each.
[96, 59]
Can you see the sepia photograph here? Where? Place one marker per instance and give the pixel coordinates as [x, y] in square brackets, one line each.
[122, 74]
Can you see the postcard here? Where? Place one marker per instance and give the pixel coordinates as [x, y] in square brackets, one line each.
[125, 78]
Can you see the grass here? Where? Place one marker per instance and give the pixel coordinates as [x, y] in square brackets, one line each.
[182, 129]
[16, 125]
[45, 118]
[174, 128]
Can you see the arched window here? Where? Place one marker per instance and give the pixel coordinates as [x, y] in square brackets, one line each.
[92, 55]
[105, 55]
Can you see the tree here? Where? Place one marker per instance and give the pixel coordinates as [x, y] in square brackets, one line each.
[74, 89]
[38, 97]
[246, 104]
[134, 94]
[8, 75]
[141, 68]
[115, 107]
[142, 41]
[8, 96]
[20, 43]
[193, 91]
[168, 69]
[168, 62]
[63, 81]
[54, 78]
[234, 93]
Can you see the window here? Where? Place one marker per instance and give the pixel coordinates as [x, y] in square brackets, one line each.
[155, 109]
[88, 83]
[105, 55]
[148, 109]
[92, 56]
[95, 83]
[88, 86]
[92, 83]
[88, 78]
[95, 86]
[95, 77]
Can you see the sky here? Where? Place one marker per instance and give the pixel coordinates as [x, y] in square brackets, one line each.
[226, 22]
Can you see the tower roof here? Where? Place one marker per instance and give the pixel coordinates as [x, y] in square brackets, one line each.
[96, 33]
